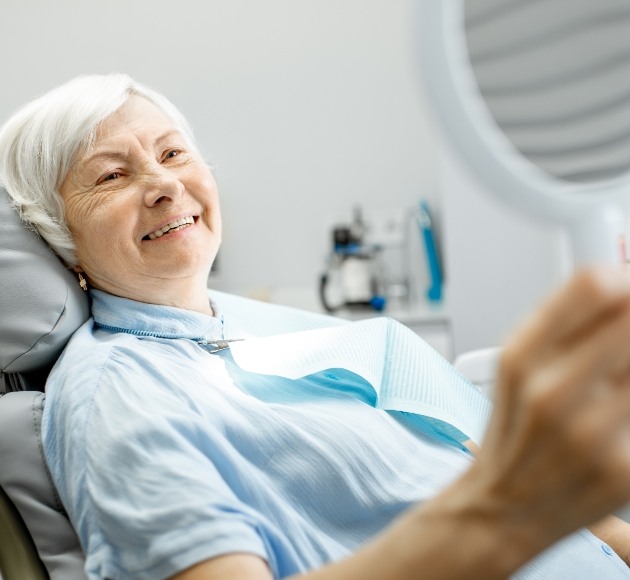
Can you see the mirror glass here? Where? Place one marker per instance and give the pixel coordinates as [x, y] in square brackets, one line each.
[535, 96]
[555, 76]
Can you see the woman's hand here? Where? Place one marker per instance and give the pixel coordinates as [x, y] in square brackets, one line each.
[556, 456]
[557, 452]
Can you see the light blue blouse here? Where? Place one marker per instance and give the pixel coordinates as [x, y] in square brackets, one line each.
[165, 454]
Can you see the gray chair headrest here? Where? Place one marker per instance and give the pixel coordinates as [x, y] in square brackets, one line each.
[41, 303]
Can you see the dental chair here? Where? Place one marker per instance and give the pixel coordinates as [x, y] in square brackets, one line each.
[40, 308]
[41, 305]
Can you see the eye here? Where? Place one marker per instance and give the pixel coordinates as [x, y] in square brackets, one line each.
[109, 177]
[172, 153]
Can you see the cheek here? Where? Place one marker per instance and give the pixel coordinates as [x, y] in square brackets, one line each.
[79, 213]
[207, 184]
[101, 232]
[203, 176]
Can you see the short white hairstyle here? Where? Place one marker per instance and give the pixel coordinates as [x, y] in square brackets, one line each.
[39, 143]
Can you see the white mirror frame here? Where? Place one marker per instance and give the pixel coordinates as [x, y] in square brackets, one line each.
[592, 212]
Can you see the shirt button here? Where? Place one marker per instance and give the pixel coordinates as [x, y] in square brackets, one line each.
[607, 550]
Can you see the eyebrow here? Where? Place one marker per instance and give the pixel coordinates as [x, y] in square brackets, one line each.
[114, 155]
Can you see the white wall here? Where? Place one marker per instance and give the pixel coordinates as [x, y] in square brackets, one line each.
[501, 264]
[304, 108]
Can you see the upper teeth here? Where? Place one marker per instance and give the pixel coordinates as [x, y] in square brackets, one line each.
[177, 224]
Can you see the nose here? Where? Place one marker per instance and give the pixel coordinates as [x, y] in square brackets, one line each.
[162, 186]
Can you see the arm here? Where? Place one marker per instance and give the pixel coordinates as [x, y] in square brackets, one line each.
[419, 545]
[555, 457]
[616, 533]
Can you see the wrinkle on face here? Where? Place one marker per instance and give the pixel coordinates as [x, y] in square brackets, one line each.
[138, 173]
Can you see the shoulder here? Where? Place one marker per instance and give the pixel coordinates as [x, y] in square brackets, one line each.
[92, 353]
[107, 395]
[101, 369]
[115, 402]
[88, 350]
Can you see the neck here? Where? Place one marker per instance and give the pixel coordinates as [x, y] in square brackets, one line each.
[186, 294]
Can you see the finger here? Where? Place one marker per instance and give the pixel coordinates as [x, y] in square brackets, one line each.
[592, 296]
[600, 434]
[557, 383]
[589, 296]
[601, 356]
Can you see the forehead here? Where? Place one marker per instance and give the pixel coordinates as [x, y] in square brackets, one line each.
[138, 117]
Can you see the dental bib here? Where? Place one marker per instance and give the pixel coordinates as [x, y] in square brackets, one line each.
[404, 372]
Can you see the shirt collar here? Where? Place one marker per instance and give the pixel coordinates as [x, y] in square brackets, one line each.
[139, 318]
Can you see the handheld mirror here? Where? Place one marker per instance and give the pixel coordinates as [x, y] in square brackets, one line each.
[535, 96]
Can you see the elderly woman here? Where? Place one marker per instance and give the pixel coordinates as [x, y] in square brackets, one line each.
[174, 462]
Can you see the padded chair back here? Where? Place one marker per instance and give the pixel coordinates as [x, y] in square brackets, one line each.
[45, 543]
[41, 305]
[17, 551]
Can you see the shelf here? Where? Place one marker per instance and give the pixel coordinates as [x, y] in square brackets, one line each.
[407, 313]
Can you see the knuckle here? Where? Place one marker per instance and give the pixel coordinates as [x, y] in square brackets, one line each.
[541, 402]
[548, 396]
[583, 437]
[592, 284]
[510, 365]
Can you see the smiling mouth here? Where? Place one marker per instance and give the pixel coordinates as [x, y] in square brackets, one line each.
[169, 228]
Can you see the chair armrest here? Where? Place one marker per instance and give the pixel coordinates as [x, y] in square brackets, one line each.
[480, 367]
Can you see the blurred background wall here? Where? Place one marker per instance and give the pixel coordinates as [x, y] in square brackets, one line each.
[305, 109]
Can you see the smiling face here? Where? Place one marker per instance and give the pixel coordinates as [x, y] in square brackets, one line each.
[143, 210]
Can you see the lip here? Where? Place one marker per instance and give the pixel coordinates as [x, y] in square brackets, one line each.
[169, 220]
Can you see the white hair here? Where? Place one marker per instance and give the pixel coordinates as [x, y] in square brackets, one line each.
[40, 141]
